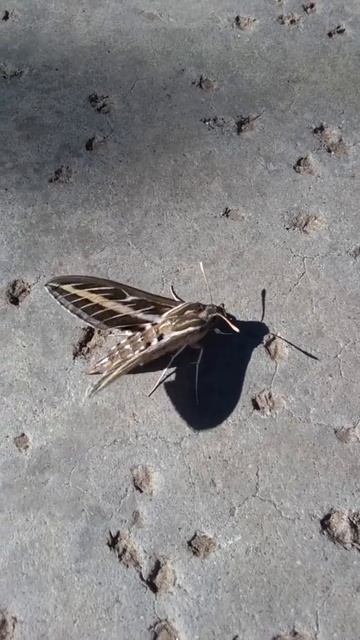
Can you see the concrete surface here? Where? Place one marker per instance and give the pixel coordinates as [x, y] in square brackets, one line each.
[144, 206]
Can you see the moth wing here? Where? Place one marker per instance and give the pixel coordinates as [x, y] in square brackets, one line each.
[105, 304]
[117, 362]
[117, 369]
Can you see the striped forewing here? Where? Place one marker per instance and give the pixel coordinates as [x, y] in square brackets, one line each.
[105, 304]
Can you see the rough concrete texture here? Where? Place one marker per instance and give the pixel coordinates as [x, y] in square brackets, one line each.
[206, 137]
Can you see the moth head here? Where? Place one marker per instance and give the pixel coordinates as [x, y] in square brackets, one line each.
[220, 312]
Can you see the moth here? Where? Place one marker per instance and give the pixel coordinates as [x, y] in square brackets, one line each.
[150, 325]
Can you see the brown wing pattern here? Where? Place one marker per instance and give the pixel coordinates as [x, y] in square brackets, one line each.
[105, 304]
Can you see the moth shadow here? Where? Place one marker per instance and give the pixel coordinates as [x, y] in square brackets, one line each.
[221, 376]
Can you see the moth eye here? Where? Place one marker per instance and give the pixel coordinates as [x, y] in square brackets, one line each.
[160, 337]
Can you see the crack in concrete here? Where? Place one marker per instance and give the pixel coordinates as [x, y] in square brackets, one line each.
[270, 501]
[338, 357]
[299, 279]
[255, 495]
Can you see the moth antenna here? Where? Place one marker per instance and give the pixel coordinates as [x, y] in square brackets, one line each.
[306, 353]
[206, 281]
[263, 296]
[174, 294]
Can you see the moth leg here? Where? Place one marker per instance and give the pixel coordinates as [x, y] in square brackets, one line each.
[197, 374]
[163, 373]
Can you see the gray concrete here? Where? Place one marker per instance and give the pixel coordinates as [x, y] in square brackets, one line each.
[144, 207]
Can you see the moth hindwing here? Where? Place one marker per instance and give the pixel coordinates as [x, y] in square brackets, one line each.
[152, 325]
